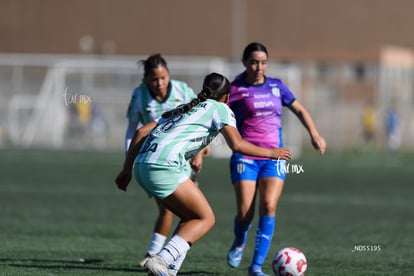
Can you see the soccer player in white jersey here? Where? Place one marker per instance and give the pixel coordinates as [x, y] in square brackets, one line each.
[159, 152]
[156, 94]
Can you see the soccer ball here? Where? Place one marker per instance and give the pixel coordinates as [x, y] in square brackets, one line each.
[289, 261]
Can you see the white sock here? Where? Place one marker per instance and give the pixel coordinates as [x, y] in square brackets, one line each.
[156, 243]
[174, 249]
[176, 265]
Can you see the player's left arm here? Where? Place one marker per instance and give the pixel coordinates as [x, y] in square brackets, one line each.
[197, 161]
[318, 142]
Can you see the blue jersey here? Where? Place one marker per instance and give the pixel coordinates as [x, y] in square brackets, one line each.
[258, 110]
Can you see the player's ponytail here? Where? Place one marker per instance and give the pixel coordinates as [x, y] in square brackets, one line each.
[183, 108]
[215, 86]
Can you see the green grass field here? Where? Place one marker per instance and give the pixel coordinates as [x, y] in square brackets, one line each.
[61, 214]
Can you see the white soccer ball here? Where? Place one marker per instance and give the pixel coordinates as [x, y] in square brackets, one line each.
[289, 261]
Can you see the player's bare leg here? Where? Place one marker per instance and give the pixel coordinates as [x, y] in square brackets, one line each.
[196, 219]
[161, 229]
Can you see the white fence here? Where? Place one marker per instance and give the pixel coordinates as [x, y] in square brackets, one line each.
[79, 102]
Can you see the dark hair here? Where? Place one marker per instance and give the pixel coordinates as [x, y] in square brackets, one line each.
[152, 62]
[252, 47]
[215, 86]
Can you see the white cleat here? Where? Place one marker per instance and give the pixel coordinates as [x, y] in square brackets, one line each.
[157, 266]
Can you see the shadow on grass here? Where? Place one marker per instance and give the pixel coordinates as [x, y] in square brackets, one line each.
[199, 273]
[81, 264]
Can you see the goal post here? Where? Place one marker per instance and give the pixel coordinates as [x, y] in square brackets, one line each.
[81, 101]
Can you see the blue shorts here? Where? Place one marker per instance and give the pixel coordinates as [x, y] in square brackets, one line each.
[248, 169]
[159, 180]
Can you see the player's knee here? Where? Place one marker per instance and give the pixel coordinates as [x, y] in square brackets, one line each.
[209, 220]
[268, 208]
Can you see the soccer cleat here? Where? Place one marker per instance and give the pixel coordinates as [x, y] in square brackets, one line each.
[156, 266]
[257, 273]
[235, 255]
[143, 261]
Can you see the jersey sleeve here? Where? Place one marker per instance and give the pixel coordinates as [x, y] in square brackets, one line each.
[186, 91]
[286, 94]
[129, 134]
[133, 107]
[223, 116]
[133, 117]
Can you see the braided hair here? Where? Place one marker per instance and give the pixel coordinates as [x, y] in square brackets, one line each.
[215, 86]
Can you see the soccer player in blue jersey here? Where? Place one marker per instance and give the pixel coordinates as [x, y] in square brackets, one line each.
[159, 152]
[156, 94]
[257, 101]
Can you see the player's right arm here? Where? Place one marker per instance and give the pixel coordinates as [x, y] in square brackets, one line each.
[238, 144]
[124, 177]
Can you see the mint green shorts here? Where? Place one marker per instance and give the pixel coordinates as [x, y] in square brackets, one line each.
[160, 180]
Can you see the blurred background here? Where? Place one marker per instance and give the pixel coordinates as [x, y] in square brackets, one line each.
[67, 71]
[67, 68]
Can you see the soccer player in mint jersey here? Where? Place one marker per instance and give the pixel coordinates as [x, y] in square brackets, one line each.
[257, 102]
[158, 155]
[157, 94]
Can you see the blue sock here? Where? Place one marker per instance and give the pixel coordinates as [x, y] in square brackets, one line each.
[264, 237]
[240, 234]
